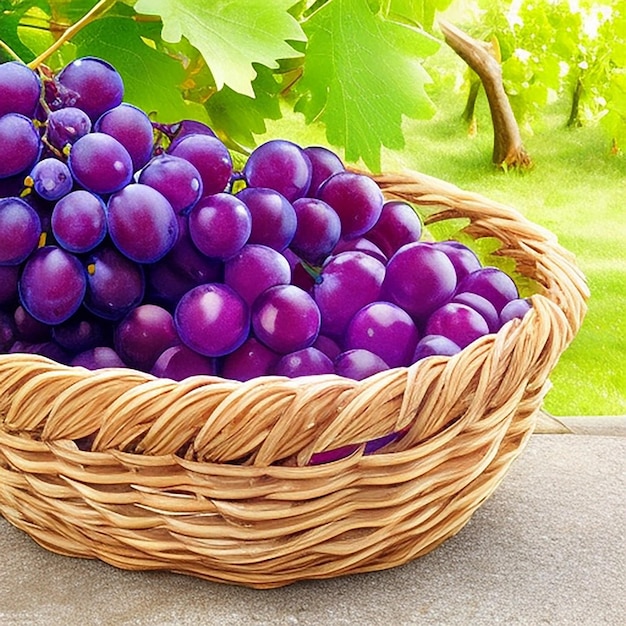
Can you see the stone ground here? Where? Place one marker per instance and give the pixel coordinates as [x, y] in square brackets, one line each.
[548, 547]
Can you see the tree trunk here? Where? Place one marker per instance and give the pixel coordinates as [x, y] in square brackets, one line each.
[508, 150]
[574, 117]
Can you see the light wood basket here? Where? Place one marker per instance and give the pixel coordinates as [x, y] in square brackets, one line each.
[210, 477]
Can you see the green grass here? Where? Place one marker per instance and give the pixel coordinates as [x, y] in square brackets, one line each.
[576, 189]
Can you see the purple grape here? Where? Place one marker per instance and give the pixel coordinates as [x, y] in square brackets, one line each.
[189, 263]
[98, 358]
[28, 329]
[49, 349]
[464, 260]
[51, 179]
[20, 89]
[482, 305]
[254, 269]
[328, 346]
[328, 456]
[317, 232]
[180, 362]
[79, 221]
[20, 228]
[132, 128]
[7, 332]
[143, 335]
[67, 126]
[431, 345]
[212, 319]
[100, 163]
[419, 279]
[142, 223]
[357, 199]
[384, 329]
[358, 364]
[177, 179]
[285, 319]
[210, 157]
[52, 285]
[220, 225]
[274, 219]
[492, 284]
[250, 360]
[280, 165]
[21, 145]
[166, 285]
[361, 244]
[115, 284]
[177, 132]
[80, 333]
[96, 84]
[458, 322]
[397, 225]
[324, 163]
[516, 308]
[349, 281]
[9, 276]
[306, 362]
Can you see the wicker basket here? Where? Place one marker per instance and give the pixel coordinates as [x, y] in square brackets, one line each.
[210, 477]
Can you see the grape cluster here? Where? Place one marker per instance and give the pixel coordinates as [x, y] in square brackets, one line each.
[124, 242]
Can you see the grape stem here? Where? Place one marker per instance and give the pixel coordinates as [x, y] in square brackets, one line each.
[99, 9]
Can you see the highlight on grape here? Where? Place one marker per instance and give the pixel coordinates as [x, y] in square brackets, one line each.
[129, 243]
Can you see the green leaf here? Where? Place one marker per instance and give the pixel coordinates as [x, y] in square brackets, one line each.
[151, 78]
[230, 34]
[420, 12]
[362, 74]
[240, 116]
[12, 13]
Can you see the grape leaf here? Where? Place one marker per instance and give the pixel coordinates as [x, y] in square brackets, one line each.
[361, 74]
[12, 13]
[230, 34]
[240, 116]
[151, 78]
[420, 12]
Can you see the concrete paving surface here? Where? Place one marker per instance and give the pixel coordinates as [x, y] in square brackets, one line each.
[548, 547]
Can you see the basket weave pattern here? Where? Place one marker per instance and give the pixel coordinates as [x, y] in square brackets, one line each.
[209, 477]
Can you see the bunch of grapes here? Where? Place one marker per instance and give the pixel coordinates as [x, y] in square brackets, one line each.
[124, 242]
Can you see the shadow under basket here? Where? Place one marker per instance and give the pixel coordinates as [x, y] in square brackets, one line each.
[211, 477]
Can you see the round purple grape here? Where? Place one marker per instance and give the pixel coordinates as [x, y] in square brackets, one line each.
[141, 223]
[21, 145]
[306, 362]
[490, 283]
[324, 163]
[212, 319]
[100, 163]
[419, 279]
[398, 225]
[458, 322]
[20, 89]
[180, 362]
[79, 221]
[274, 219]
[431, 345]
[250, 360]
[384, 329]
[20, 228]
[359, 364]
[286, 319]
[317, 232]
[52, 285]
[280, 165]
[254, 269]
[96, 84]
[51, 179]
[356, 198]
[220, 225]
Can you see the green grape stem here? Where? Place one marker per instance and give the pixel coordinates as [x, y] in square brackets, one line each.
[98, 10]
